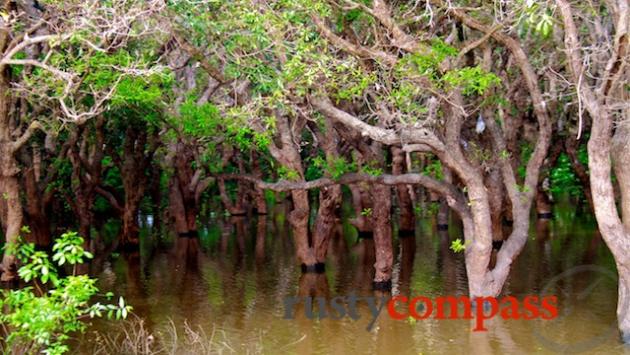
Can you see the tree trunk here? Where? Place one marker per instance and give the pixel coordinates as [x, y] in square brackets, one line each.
[620, 150]
[623, 300]
[495, 197]
[178, 210]
[329, 199]
[299, 223]
[382, 235]
[407, 220]
[234, 208]
[10, 191]
[258, 194]
[617, 236]
[130, 229]
[36, 218]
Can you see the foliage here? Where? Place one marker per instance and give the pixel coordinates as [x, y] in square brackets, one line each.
[472, 80]
[434, 169]
[563, 179]
[334, 167]
[457, 245]
[42, 317]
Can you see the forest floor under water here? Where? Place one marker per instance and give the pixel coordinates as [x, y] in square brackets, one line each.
[224, 292]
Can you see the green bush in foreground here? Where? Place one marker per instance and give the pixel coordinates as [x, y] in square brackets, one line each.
[41, 316]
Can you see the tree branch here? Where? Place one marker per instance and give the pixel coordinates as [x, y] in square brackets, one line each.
[110, 197]
[34, 126]
[354, 49]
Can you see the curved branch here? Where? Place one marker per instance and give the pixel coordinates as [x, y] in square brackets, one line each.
[34, 126]
[351, 48]
[110, 197]
[454, 198]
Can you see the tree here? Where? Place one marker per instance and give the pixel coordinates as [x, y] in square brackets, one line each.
[55, 71]
[601, 88]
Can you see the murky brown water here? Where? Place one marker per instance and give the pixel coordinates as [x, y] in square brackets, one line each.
[231, 283]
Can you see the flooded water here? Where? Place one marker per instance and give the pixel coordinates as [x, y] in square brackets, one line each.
[229, 285]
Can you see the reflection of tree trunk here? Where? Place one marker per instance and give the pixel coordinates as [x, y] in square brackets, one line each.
[443, 212]
[187, 252]
[261, 235]
[239, 227]
[136, 289]
[447, 264]
[407, 257]
[383, 234]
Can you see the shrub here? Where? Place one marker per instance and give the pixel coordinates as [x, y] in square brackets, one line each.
[41, 316]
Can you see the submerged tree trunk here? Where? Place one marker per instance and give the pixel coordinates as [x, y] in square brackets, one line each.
[620, 151]
[289, 156]
[383, 236]
[329, 200]
[258, 194]
[329, 197]
[599, 104]
[298, 218]
[185, 188]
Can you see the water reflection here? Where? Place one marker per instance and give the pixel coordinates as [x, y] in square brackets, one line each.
[236, 274]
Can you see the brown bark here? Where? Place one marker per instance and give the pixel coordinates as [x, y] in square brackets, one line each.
[382, 233]
[329, 200]
[258, 194]
[36, 210]
[598, 103]
[620, 151]
[86, 158]
[298, 218]
[405, 204]
[185, 188]
[9, 183]
[329, 197]
[261, 236]
[10, 191]
[495, 194]
[288, 155]
[234, 208]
